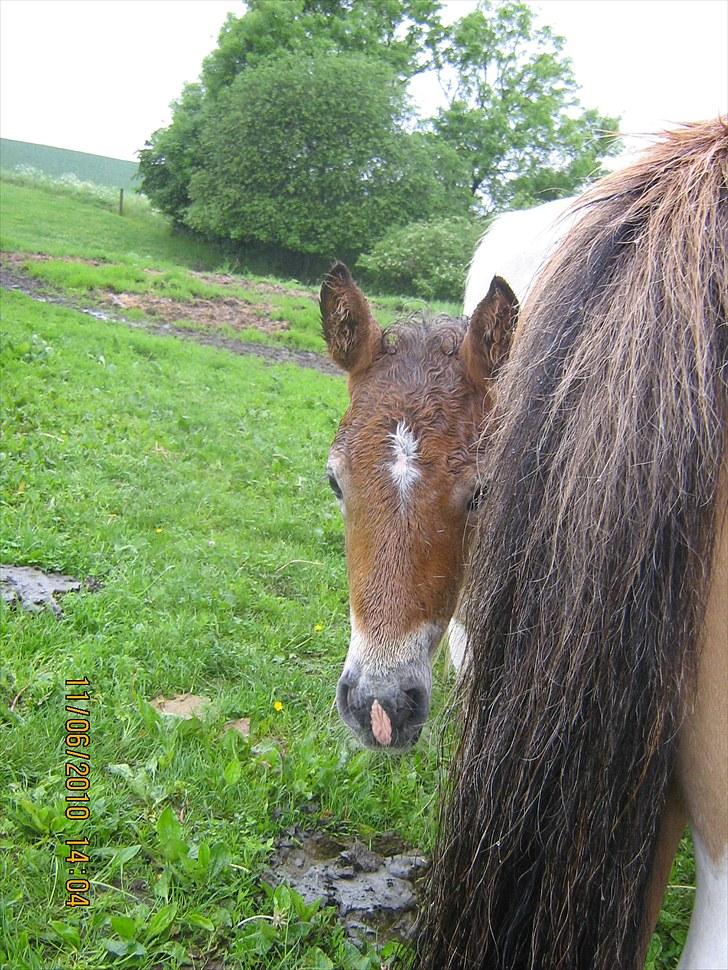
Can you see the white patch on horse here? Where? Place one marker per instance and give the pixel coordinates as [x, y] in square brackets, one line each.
[706, 947]
[457, 641]
[516, 246]
[377, 656]
[404, 470]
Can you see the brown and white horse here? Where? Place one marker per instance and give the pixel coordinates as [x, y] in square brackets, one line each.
[594, 712]
[404, 467]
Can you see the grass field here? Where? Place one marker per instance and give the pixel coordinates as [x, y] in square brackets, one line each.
[137, 254]
[188, 485]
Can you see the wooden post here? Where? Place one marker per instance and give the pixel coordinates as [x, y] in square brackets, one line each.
[121, 202]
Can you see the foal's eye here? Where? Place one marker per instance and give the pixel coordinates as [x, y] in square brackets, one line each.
[335, 487]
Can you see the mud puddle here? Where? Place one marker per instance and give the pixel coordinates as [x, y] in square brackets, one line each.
[34, 590]
[374, 890]
[230, 311]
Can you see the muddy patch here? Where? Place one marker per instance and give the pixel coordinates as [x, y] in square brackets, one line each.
[259, 286]
[374, 890]
[13, 278]
[18, 259]
[225, 311]
[34, 590]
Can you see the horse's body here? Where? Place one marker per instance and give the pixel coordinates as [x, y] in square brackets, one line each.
[698, 793]
[516, 246]
[596, 722]
[595, 718]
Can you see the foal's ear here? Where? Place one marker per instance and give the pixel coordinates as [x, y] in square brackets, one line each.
[349, 329]
[490, 330]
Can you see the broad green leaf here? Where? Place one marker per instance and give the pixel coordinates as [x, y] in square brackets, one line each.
[232, 772]
[161, 921]
[168, 825]
[68, 933]
[197, 919]
[125, 926]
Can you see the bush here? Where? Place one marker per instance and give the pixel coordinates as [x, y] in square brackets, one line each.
[310, 155]
[427, 259]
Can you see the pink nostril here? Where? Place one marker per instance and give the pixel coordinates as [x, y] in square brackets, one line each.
[381, 725]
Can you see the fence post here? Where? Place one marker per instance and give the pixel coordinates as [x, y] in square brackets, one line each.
[121, 202]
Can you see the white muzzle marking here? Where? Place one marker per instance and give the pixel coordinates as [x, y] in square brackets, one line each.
[380, 656]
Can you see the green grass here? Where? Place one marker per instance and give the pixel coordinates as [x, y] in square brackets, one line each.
[139, 253]
[164, 279]
[189, 484]
[39, 218]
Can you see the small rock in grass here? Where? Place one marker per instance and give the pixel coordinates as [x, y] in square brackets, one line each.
[33, 589]
[241, 725]
[181, 705]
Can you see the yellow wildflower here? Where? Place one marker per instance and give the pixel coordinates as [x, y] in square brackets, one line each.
[278, 705]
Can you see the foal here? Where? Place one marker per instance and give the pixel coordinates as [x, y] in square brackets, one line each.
[404, 468]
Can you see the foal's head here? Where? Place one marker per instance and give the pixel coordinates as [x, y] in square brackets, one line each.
[403, 468]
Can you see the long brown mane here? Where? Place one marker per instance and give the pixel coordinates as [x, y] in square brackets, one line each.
[588, 578]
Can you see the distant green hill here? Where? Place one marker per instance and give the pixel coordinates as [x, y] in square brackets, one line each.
[112, 172]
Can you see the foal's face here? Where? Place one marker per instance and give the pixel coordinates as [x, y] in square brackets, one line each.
[403, 468]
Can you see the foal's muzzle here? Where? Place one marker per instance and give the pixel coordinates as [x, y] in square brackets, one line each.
[385, 711]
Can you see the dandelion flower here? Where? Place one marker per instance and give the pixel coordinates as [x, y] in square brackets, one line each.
[319, 627]
[278, 705]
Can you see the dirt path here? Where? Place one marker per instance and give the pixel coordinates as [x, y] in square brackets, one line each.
[13, 278]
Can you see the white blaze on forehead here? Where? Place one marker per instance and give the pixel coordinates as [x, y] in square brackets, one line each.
[381, 725]
[404, 469]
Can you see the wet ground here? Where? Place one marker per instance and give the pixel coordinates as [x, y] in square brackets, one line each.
[33, 589]
[374, 889]
[12, 277]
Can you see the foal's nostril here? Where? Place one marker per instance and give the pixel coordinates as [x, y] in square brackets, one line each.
[416, 700]
[343, 696]
[379, 710]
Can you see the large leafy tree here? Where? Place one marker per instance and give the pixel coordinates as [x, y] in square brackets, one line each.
[310, 154]
[513, 113]
[297, 134]
[401, 33]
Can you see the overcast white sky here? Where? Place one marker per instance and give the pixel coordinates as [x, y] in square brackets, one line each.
[98, 75]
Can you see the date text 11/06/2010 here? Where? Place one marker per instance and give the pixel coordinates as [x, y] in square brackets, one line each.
[78, 785]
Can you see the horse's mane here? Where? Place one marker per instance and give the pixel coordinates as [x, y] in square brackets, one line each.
[587, 583]
[423, 334]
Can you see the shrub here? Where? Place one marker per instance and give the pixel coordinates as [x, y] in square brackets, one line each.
[427, 259]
